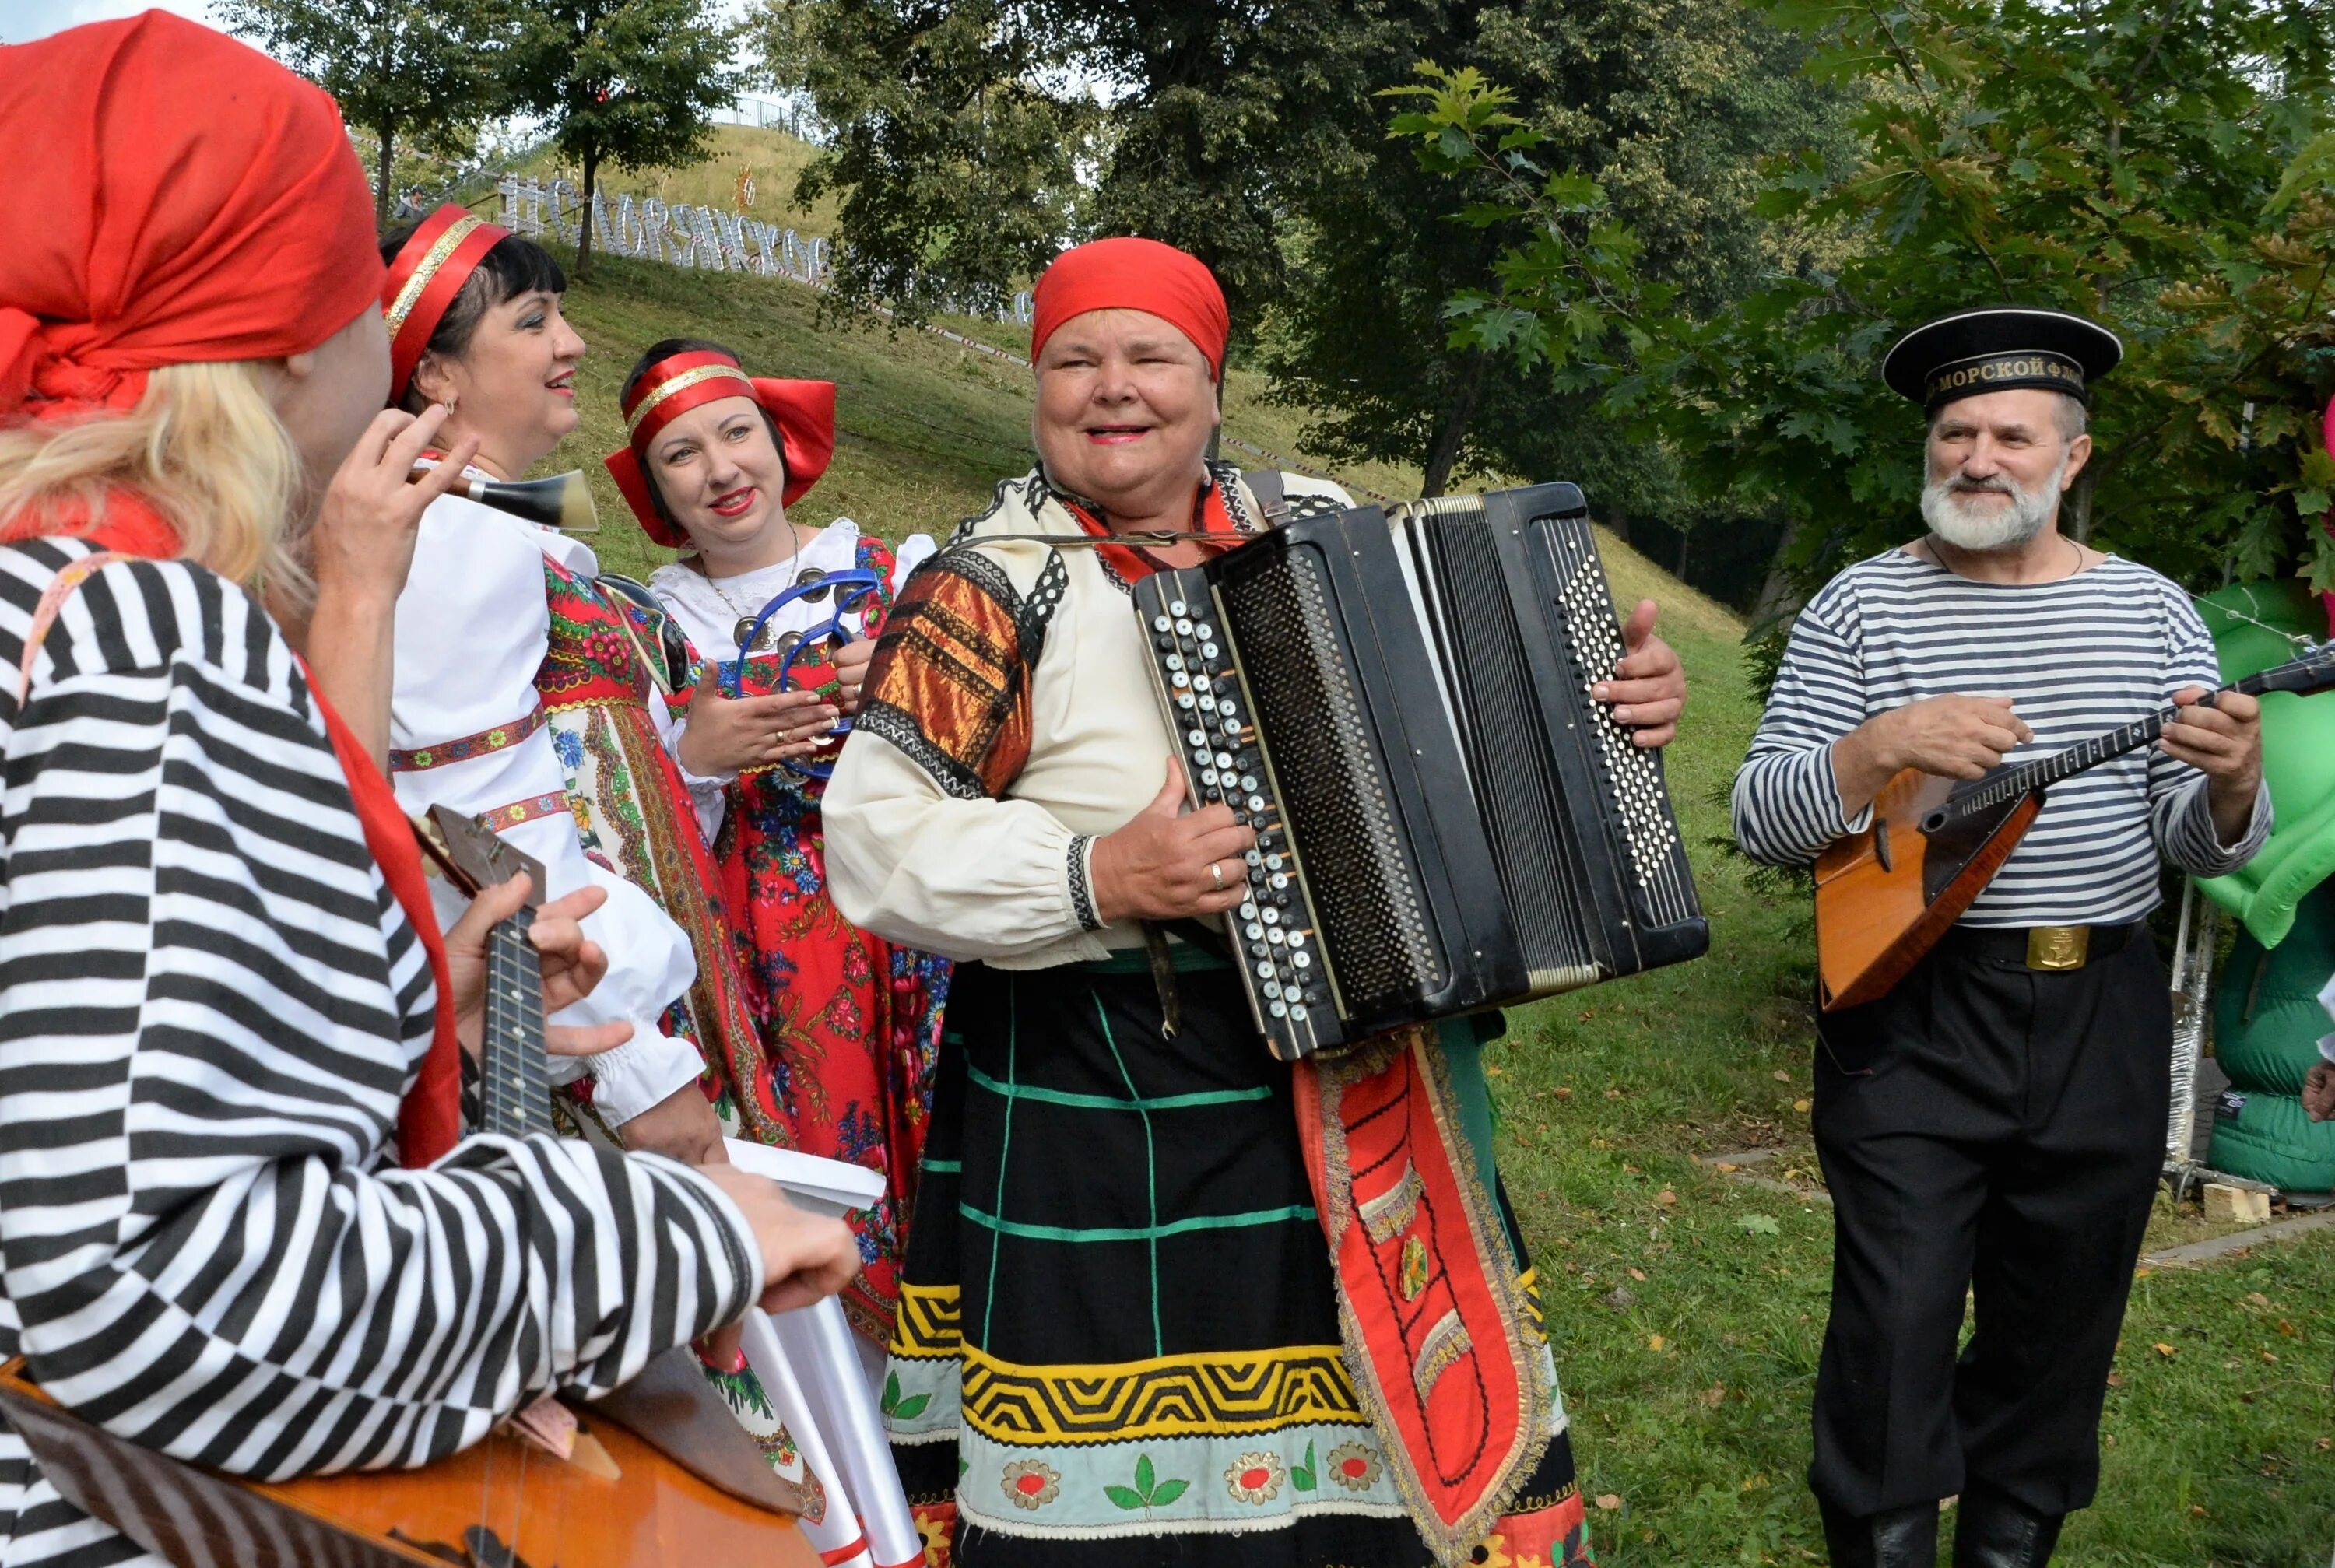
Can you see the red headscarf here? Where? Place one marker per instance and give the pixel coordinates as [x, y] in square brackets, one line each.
[192, 200]
[1134, 275]
[174, 197]
[804, 412]
[432, 266]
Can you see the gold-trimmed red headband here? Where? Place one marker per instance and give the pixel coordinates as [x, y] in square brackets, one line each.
[430, 270]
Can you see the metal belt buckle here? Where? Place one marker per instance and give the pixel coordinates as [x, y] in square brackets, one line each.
[2057, 947]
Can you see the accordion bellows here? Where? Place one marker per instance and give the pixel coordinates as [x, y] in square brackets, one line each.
[1399, 703]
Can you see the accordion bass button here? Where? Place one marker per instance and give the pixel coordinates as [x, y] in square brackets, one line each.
[1163, 623]
[1263, 970]
[1176, 608]
[1278, 1009]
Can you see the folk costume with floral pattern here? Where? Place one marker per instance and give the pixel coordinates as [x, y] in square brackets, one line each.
[849, 1024]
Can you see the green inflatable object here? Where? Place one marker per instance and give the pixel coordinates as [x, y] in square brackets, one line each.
[2267, 1017]
[2247, 620]
[2267, 1021]
[2269, 1138]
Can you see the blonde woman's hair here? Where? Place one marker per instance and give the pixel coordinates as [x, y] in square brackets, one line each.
[204, 448]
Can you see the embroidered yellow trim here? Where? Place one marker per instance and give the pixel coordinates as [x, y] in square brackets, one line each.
[683, 382]
[411, 295]
[1230, 1393]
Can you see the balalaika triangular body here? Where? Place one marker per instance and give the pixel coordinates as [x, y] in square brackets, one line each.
[1886, 895]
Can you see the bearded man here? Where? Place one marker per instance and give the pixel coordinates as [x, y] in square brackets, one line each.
[1994, 1125]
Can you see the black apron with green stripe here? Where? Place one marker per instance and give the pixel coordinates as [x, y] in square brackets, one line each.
[1118, 1339]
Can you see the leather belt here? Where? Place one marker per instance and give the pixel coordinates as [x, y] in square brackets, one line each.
[2045, 948]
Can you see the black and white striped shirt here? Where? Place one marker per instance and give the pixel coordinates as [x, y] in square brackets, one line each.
[209, 1008]
[2080, 655]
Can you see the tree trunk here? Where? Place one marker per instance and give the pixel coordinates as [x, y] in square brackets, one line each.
[2075, 509]
[1443, 455]
[385, 134]
[584, 241]
[1617, 518]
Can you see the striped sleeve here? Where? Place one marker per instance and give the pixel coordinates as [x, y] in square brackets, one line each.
[2180, 807]
[209, 1007]
[1786, 799]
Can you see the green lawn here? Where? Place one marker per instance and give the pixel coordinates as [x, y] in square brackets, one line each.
[1688, 1389]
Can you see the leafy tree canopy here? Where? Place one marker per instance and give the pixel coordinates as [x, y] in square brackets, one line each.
[419, 73]
[2159, 165]
[970, 140]
[633, 82]
[1669, 103]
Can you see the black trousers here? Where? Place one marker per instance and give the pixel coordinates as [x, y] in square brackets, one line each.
[1990, 1129]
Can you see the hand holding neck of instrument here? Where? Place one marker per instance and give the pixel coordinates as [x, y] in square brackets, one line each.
[1952, 737]
[2220, 735]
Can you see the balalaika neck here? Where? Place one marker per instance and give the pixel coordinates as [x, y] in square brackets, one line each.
[515, 1091]
[2045, 772]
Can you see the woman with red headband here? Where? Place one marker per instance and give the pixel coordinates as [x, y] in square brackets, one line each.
[1122, 1338]
[226, 1014]
[531, 696]
[850, 1024]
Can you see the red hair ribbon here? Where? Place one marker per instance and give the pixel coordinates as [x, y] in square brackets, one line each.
[430, 270]
[804, 412]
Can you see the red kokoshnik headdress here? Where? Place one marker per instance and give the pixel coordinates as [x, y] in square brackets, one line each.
[430, 270]
[804, 412]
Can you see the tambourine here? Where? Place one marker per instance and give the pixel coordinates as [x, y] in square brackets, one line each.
[852, 589]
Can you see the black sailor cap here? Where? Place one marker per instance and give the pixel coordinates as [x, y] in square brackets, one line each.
[1998, 348]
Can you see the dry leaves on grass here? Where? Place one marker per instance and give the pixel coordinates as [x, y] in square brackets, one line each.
[1609, 1502]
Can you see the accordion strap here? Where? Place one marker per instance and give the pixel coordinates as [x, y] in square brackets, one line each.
[1272, 494]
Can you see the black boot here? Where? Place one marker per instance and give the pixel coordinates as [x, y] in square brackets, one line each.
[1904, 1537]
[1991, 1530]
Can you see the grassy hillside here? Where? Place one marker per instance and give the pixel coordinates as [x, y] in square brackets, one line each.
[925, 427]
[1686, 1308]
[775, 158]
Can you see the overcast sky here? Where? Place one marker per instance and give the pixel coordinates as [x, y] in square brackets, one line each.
[22, 21]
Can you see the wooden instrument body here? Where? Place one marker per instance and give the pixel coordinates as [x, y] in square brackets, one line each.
[1885, 895]
[504, 1503]
[659, 1472]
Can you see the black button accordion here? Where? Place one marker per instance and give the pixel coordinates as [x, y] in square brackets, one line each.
[1397, 702]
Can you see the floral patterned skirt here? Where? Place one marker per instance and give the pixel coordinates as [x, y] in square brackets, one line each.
[1118, 1341]
[849, 1024]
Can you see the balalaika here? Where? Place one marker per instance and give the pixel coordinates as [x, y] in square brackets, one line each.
[1398, 703]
